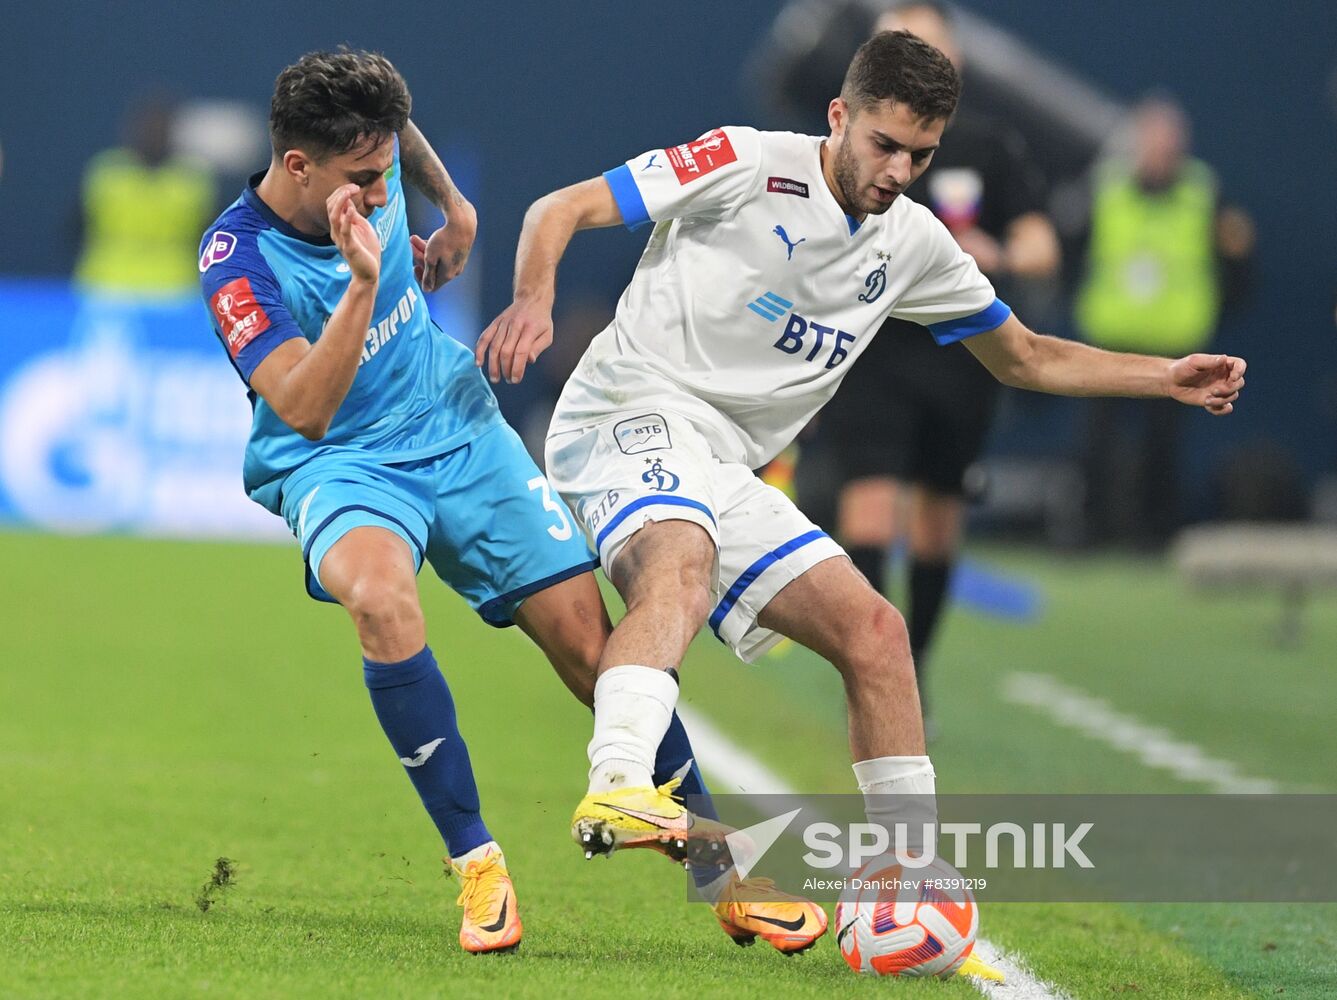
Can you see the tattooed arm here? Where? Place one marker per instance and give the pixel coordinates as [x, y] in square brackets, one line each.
[441, 256]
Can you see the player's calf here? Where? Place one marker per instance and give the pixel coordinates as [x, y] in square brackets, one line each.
[880, 687]
[663, 573]
[569, 622]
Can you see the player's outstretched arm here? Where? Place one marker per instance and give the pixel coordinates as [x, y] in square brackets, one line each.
[305, 383]
[523, 331]
[441, 256]
[1018, 357]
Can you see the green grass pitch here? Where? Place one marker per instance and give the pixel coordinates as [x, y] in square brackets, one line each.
[165, 704]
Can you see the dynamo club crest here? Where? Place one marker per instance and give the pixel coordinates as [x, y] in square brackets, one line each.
[876, 283]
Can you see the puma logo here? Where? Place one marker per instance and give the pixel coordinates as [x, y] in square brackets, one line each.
[789, 244]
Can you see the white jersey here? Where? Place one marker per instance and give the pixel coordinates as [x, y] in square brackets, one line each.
[756, 292]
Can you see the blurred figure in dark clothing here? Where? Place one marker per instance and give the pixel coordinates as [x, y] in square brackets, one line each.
[1063, 119]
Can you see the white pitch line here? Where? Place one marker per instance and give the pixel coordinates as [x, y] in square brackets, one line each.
[1021, 983]
[734, 770]
[1155, 747]
[737, 770]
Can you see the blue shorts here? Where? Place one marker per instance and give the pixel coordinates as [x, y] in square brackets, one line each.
[483, 515]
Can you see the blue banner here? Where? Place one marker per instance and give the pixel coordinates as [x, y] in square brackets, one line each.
[125, 416]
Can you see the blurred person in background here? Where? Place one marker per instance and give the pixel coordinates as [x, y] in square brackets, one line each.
[143, 208]
[1163, 255]
[913, 416]
[1064, 120]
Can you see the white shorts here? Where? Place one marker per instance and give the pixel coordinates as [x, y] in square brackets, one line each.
[641, 466]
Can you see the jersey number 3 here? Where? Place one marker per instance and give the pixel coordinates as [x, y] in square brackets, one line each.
[562, 529]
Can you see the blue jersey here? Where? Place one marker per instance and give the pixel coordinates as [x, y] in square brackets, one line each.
[416, 394]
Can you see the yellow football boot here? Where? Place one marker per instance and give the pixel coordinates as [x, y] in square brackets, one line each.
[648, 817]
[491, 913]
[976, 966]
[754, 908]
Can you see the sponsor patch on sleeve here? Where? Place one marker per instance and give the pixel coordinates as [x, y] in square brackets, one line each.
[220, 248]
[699, 157]
[786, 185]
[239, 316]
[648, 432]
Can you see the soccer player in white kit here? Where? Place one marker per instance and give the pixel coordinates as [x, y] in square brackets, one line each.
[773, 259]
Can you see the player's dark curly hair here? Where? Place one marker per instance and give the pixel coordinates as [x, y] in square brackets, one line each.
[902, 68]
[328, 102]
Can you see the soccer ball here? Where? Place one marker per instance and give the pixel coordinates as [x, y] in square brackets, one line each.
[915, 922]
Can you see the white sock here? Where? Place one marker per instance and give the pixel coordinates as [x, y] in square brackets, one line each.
[633, 706]
[479, 853]
[899, 790]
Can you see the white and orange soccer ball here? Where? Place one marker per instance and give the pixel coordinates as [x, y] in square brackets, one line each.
[914, 922]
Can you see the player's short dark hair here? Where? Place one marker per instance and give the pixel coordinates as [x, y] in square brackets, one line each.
[328, 102]
[902, 68]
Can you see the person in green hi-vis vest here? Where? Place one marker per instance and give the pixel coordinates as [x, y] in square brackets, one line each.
[1162, 256]
[143, 210]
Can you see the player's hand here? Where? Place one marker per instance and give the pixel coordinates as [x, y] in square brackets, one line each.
[1212, 381]
[442, 256]
[515, 339]
[353, 234]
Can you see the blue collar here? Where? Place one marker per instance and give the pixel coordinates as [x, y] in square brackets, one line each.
[269, 215]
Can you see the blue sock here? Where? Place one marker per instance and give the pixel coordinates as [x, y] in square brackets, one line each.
[675, 750]
[417, 713]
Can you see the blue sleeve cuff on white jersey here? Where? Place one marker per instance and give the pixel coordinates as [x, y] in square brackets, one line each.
[628, 197]
[990, 318]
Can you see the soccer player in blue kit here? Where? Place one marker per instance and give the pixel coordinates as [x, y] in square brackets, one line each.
[379, 442]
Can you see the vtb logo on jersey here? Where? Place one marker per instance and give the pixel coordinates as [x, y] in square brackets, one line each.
[647, 432]
[696, 159]
[802, 336]
[659, 478]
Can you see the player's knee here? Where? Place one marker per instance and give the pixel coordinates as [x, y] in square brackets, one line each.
[935, 541]
[669, 567]
[683, 591]
[381, 605]
[935, 530]
[878, 651]
[692, 588]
